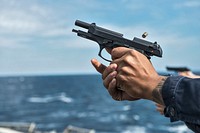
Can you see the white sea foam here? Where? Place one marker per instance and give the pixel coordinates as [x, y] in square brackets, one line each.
[48, 98]
[141, 129]
[136, 117]
[135, 129]
[40, 99]
[126, 107]
[180, 129]
[62, 97]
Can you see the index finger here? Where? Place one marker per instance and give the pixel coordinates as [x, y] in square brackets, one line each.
[98, 66]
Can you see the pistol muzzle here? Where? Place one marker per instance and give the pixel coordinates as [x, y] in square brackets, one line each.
[82, 24]
[73, 30]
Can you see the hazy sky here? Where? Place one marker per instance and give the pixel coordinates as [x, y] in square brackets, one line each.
[36, 35]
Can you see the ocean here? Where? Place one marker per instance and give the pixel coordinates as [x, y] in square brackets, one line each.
[54, 102]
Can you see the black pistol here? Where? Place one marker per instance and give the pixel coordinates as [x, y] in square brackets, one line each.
[111, 39]
[178, 69]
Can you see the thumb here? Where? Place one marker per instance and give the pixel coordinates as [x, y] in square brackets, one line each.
[98, 66]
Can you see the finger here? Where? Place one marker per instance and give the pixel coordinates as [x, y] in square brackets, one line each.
[159, 105]
[118, 94]
[112, 84]
[161, 111]
[119, 63]
[107, 82]
[112, 67]
[113, 91]
[119, 52]
[98, 66]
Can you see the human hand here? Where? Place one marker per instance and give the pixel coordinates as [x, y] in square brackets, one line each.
[160, 108]
[189, 74]
[135, 73]
[109, 81]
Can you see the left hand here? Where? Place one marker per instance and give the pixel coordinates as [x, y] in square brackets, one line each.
[160, 108]
[108, 75]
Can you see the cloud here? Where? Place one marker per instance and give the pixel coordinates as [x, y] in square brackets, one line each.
[24, 18]
[18, 20]
[25, 23]
[189, 4]
[36, 29]
[13, 22]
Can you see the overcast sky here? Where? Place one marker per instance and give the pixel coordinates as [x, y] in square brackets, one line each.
[36, 35]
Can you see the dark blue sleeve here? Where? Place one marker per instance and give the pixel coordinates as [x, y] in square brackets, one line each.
[181, 96]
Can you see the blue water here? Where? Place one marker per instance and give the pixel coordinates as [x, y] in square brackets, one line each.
[54, 102]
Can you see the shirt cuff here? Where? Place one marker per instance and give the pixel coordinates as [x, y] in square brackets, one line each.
[168, 94]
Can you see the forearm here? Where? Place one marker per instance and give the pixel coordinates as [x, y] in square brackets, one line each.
[157, 92]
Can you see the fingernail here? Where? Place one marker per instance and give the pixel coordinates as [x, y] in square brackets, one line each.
[93, 60]
[114, 66]
[113, 82]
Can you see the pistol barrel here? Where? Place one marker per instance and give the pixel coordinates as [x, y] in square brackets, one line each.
[82, 24]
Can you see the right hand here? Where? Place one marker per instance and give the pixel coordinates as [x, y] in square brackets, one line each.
[136, 75]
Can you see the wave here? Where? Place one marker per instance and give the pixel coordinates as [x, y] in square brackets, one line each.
[145, 129]
[135, 129]
[46, 99]
[180, 129]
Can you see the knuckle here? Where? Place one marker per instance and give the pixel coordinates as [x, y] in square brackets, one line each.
[126, 60]
[121, 71]
[120, 78]
[113, 51]
[124, 69]
[129, 56]
[132, 52]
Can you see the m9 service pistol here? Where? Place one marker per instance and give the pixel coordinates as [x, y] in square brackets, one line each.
[111, 39]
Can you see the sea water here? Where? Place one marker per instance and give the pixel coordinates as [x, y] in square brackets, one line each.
[54, 102]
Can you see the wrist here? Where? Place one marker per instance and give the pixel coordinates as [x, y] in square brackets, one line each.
[156, 95]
